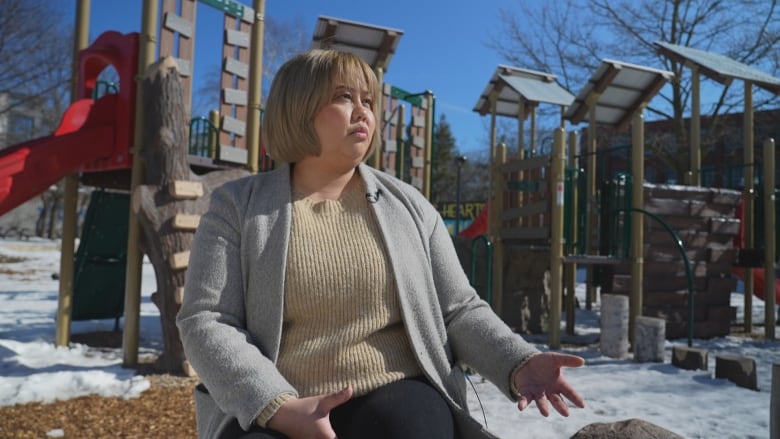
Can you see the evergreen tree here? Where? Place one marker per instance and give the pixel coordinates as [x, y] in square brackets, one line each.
[443, 170]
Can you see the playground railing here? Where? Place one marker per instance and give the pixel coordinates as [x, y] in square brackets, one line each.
[203, 138]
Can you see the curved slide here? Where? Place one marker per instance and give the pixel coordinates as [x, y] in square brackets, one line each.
[758, 282]
[85, 135]
[758, 273]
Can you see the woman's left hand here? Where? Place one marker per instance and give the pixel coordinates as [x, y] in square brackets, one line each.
[541, 380]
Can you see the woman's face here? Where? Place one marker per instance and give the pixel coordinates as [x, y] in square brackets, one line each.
[345, 125]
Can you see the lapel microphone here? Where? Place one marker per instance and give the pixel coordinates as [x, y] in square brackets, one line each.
[373, 197]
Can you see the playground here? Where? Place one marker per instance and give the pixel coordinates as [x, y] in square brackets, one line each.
[567, 244]
[100, 396]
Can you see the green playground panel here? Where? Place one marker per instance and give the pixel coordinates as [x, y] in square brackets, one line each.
[101, 258]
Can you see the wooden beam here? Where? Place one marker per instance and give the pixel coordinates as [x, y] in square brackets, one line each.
[180, 260]
[186, 189]
[183, 221]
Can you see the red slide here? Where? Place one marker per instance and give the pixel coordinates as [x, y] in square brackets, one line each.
[93, 136]
[759, 275]
[85, 135]
[479, 226]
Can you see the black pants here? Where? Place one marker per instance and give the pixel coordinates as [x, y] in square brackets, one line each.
[406, 409]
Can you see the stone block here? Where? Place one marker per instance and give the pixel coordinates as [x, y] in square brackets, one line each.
[649, 339]
[689, 358]
[630, 428]
[739, 370]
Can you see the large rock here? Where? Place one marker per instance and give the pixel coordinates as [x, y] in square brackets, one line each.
[630, 428]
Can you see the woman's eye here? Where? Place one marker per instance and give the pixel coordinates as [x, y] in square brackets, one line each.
[368, 102]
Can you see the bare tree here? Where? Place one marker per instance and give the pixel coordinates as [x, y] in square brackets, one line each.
[571, 37]
[35, 71]
[35, 49]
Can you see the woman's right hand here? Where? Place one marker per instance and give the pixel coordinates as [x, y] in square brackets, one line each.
[309, 417]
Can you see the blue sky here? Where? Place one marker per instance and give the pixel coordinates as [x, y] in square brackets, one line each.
[442, 49]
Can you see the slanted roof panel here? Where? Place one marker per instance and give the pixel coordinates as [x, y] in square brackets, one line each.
[619, 89]
[374, 44]
[515, 85]
[718, 67]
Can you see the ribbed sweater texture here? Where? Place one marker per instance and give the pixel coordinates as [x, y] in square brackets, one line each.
[342, 321]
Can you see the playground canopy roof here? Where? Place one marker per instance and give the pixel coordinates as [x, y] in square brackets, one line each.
[514, 84]
[619, 90]
[718, 67]
[375, 44]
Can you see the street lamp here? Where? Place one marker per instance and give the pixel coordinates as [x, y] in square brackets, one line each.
[459, 161]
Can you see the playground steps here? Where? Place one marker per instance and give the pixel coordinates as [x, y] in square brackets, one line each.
[704, 219]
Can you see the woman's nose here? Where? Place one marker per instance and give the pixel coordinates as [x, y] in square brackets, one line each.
[360, 112]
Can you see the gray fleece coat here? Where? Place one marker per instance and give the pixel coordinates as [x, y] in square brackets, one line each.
[231, 316]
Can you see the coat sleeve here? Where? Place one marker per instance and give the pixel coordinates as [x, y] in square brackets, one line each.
[477, 336]
[212, 319]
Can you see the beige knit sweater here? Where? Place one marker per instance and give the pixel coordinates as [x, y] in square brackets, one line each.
[342, 322]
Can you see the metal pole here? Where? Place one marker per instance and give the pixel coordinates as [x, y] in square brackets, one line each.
[134, 254]
[769, 240]
[748, 206]
[255, 87]
[571, 269]
[70, 196]
[556, 238]
[591, 221]
[774, 404]
[637, 229]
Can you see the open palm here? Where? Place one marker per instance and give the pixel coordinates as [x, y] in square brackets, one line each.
[541, 380]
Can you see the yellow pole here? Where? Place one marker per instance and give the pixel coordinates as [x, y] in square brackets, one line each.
[556, 238]
[695, 168]
[637, 229]
[748, 151]
[255, 88]
[769, 241]
[70, 196]
[214, 138]
[134, 254]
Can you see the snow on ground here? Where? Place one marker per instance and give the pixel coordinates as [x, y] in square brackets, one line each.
[691, 403]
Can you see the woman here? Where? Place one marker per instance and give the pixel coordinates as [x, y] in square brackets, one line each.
[324, 299]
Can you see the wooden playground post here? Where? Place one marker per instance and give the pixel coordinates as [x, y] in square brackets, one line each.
[70, 196]
[748, 198]
[376, 160]
[570, 270]
[637, 228]
[557, 178]
[428, 102]
[590, 198]
[695, 165]
[134, 254]
[496, 207]
[255, 88]
[769, 240]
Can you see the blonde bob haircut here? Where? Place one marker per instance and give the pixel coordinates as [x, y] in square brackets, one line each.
[303, 85]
